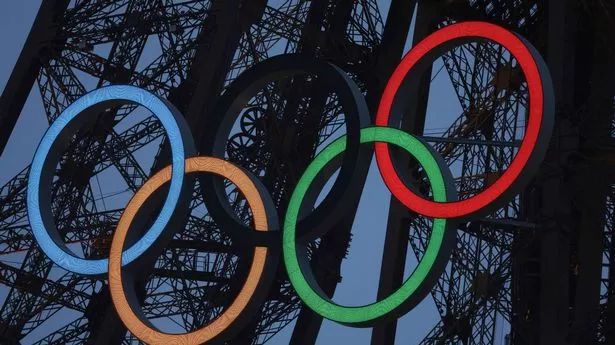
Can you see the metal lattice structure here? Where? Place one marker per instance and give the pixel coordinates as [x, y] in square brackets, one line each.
[497, 288]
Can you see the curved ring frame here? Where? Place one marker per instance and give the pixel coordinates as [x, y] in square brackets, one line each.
[537, 135]
[356, 161]
[431, 265]
[56, 139]
[261, 273]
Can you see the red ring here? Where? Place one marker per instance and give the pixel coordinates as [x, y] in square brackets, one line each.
[527, 62]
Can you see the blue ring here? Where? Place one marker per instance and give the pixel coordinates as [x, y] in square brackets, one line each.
[62, 256]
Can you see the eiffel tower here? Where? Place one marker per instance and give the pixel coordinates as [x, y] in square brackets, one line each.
[537, 271]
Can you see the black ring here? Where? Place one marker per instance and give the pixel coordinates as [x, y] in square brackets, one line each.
[345, 190]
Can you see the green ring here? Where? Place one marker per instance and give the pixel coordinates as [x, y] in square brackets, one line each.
[371, 312]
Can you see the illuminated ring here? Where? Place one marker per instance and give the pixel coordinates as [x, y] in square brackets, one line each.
[83, 112]
[431, 265]
[355, 163]
[537, 135]
[254, 290]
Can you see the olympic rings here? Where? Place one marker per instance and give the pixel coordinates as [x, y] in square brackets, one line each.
[302, 222]
[55, 141]
[415, 288]
[252, 293]
[537, 136]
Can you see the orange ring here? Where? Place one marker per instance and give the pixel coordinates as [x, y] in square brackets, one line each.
[143, 331]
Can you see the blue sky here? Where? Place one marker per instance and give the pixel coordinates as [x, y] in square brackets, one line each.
[360, 271]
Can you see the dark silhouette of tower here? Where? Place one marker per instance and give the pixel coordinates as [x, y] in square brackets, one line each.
[537, 271]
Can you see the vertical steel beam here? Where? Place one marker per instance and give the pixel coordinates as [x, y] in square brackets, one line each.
[218, 41]
[397, 235]
[213, 59]
[592, 176]
[326, 261]
[549, 308]
[44, 31]
[540, 286]
[559, 228]
[391, 49]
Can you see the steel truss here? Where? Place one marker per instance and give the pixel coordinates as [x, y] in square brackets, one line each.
[99, 43]
[491, 288]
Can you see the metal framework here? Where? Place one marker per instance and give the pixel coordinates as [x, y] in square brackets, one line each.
[537, 271]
